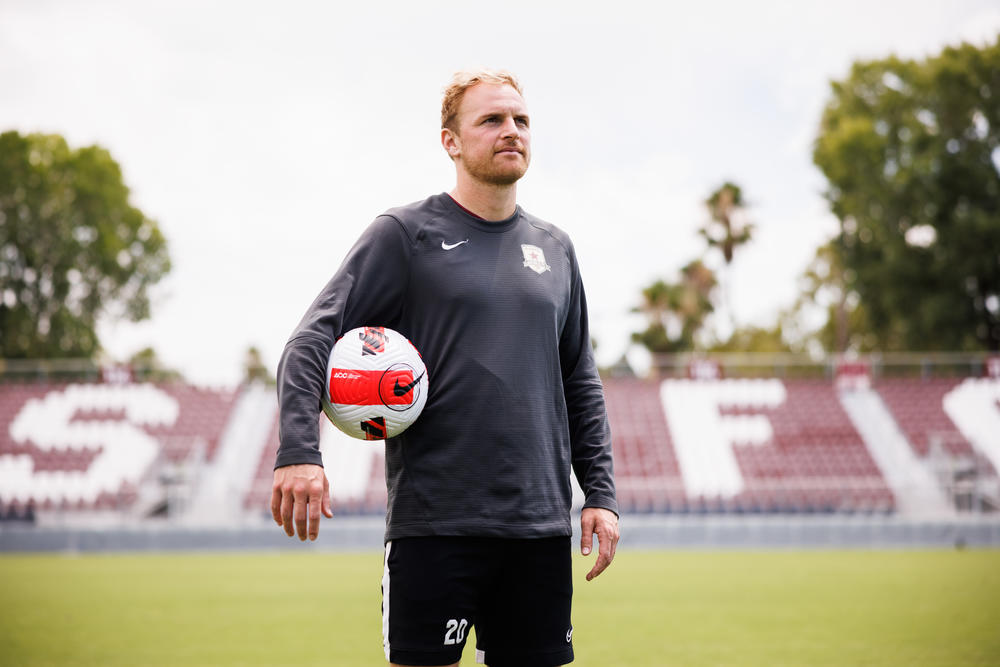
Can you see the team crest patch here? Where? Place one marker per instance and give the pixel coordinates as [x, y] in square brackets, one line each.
[534, 259]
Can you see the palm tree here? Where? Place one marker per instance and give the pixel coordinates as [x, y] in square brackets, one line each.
[727, 229]
[677, 311]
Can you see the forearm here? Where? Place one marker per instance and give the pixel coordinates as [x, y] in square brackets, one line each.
[300, 377]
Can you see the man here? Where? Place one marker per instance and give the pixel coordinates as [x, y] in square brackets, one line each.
[477, 527]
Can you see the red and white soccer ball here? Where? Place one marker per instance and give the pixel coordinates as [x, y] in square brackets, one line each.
[376, 383]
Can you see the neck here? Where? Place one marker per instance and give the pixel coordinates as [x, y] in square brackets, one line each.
[490, 202]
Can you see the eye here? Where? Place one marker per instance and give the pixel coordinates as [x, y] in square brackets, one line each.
[492, 119]
[523, 122]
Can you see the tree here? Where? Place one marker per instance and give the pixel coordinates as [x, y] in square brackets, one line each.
[677, 311]
[72, 247]
[756, 339]
[911, 150]
[846, 325]
[254, 368]
[147, 365]
[726, 229]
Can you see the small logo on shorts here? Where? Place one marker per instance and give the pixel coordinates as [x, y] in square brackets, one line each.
[569, 635]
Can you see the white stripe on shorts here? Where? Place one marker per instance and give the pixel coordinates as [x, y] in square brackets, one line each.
[385, 601]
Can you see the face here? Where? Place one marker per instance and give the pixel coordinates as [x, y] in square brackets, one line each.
[493, 140]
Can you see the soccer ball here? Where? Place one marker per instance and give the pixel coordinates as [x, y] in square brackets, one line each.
[376, 383]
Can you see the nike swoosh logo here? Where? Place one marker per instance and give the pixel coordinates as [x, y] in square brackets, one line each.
[451, 246]
[404, 389]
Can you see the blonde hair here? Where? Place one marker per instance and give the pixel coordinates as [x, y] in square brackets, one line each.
[461, 81]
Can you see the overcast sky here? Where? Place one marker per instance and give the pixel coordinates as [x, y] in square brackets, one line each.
[263, 137]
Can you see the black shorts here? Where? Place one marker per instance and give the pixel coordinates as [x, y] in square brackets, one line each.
[516, 592]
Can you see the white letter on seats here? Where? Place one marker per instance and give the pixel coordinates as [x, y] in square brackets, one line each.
[126, 449]
[974, 406]
[703, 438]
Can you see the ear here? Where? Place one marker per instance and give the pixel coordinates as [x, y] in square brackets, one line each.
[451, 143]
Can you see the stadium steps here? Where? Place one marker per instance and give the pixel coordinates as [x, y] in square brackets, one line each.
[225, 481]
[913, 484]
[350, 465]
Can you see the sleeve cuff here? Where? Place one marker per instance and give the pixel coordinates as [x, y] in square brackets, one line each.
[297, 457]
[604, 503]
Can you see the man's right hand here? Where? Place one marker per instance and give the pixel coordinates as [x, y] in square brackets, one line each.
[300, 492]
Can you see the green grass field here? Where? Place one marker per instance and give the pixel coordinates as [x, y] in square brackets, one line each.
[650, 608]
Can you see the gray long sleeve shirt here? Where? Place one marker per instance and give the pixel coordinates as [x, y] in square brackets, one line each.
[498, 313]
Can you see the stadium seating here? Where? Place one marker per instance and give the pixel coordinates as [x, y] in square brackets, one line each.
[941, 417]
[917, 405]
[803, 456]
[646, 469]
[91, 445]
[680, 446]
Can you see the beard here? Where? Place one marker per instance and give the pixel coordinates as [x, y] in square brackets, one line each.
[495, 169]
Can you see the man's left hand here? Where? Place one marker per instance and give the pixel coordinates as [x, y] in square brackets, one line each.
[604, 524]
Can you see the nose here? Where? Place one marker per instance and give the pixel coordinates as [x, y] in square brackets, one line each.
[510, 129]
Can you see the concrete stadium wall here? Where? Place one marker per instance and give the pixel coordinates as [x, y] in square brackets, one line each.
[826, 532]
[638, 532]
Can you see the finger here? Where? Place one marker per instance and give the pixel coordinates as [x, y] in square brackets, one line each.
[276, 504]
[299, 510]
[586, 535]
[287, 504]
[608, 536]
[603, 553]
[327, 502]
[614, 535]
[315, 502]
[603, 560]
